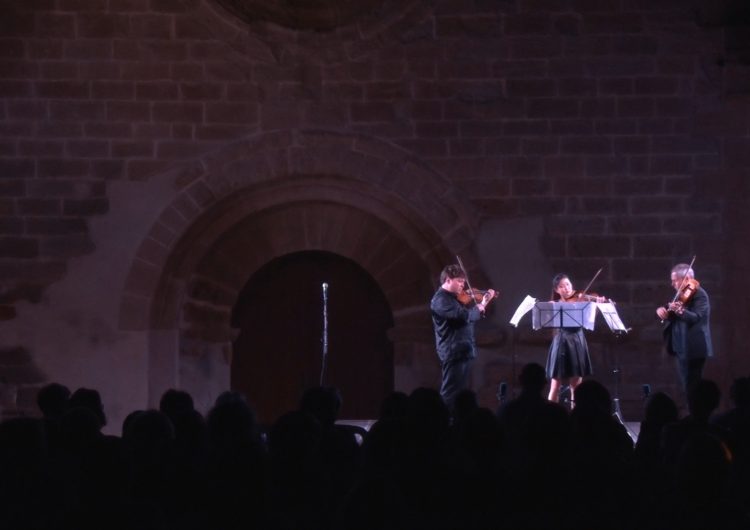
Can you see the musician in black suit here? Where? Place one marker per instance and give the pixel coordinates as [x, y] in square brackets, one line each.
[687, 333]
[453, 322]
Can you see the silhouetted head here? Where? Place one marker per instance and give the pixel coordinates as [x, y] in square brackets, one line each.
[52, 400]
[295, 439]
[149, 431]
[232, 421]
[394, 406]
[428, 413]
[532, 378]
[175, 403]
[127, 423]
[703, 398]
[467, 399]
[91, 400]
[660, 409]
[323, 403]
[80, 428]
[592, 396]
[191, 429]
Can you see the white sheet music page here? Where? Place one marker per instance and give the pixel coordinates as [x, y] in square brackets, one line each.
[524, 308]
[608, 311]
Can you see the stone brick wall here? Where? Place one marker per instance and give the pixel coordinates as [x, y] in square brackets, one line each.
[156, 125]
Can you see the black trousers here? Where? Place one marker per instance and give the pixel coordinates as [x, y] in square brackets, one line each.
[455, 374]
[690, 372]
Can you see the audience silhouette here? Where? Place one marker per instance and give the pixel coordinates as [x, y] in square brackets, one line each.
[532, 464]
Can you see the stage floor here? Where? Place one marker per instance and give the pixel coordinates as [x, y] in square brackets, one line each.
[633, 427]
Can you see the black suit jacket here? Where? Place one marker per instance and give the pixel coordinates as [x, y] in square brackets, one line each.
[454, 326]
[688, 336]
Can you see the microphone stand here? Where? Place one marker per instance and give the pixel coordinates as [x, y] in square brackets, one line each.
[325, 332]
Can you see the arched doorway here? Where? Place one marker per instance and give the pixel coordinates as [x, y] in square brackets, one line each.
[278, 352]
[358, 197]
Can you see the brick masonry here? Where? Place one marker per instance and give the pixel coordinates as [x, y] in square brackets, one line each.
[624, 126]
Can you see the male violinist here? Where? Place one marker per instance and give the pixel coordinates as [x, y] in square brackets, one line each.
[454, 330]
[687, 334]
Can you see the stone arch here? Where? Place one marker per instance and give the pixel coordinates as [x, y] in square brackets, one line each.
[254, 31]
[278, 193]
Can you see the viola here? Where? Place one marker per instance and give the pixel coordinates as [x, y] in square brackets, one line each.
[687, 290]
[469, 296]
[683, 296]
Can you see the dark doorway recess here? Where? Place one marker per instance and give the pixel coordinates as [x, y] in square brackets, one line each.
[278, 353]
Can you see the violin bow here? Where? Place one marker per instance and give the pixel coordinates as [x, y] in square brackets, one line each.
[466, 275]
[592, 280]
[684, 279]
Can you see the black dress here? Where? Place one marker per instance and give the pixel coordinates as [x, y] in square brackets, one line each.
[568, 355]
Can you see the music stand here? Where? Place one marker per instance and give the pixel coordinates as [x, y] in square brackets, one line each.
[576, 315]
[583, 315]
[609, 312]
[558, 315]
[619, 334]
[563, 315]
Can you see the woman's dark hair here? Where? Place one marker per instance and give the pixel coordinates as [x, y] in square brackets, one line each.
[555, 282]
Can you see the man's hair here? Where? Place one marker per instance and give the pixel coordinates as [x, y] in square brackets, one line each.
[451, 271]
[683, 269]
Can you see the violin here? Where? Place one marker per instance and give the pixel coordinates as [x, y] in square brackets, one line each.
[585, 295]
[581, 296]
[469, 296]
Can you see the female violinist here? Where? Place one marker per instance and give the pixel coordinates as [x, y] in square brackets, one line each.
[568, 357]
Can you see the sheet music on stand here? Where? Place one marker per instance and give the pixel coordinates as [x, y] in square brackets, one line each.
[563, 315]
[609, 312]
[545, 312]
[524, 308]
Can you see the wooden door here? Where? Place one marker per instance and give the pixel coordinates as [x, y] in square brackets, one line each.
[278, 353]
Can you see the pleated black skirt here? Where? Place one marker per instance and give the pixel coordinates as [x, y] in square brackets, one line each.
[568, 355]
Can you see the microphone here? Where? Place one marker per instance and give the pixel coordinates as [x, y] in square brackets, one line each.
[502, 391]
